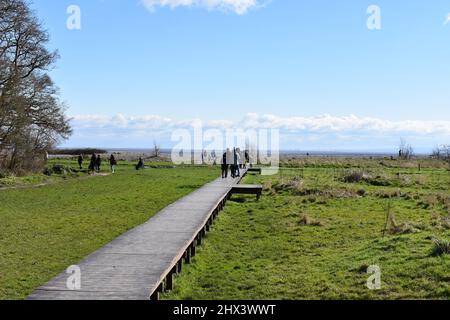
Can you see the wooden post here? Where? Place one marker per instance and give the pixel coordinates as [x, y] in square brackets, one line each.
[179, 266]
[169, 280]
[192, 250]
[199, 238]
[155, 294]
[187, 256]
[204, 231]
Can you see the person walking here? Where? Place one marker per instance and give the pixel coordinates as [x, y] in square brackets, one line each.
[237, 159]
[80, 161]
[112, 163]
[140, 164]
[224, 166]
[92, 163]
[229, 159]
[98, 164]
[247, 158]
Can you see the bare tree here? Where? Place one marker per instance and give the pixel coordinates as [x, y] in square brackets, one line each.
[156, 149]
[32, 119]
[446, 153]
[442, 153]
[405, 150]
[436, 154]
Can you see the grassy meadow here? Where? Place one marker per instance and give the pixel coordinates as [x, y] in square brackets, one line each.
[50, 223]
[320, 224]
[318, 227]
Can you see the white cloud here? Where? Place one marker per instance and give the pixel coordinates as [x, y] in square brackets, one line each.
[319, 133]
[447, 20]
[318, 124]
[238, 6]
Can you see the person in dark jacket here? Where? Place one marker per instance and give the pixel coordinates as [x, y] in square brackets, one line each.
[98, 163]
[112, 163]
[224, 166]
[140, 164]
[92, 163]
[80, 161]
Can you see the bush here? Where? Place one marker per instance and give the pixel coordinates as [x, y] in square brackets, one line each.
[294, 183]
[355, 176]
[57, 169]
[361, 192]
[379, 182]
[440, 247]
[47, 171]
[3, 174]
[76, 152]
[305, 220]
[403, 228]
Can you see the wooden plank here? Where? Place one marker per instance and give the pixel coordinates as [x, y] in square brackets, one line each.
[138, 263]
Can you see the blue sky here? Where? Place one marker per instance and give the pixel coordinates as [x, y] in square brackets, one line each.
[132, 69]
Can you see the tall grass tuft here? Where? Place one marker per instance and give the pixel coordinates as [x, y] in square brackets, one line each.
[440, 247]
[353, 176]
[306, 220]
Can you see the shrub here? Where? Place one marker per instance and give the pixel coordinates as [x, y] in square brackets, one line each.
[295, 183]
[440, 247]
[440, 222]
[355, 176]
[387, 194]
[305, 220]
[58, 169]
[3, 174]
[76, 152]
[446, 222]
[402, 228]
[267, 185]
[379, 181]
[361, 192]
[47, 171]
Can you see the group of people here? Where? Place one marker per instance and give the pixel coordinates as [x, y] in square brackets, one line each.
[96, 163]
[234, 161]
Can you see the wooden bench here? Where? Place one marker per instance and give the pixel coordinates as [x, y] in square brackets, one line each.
[254, 169]
[247, 189]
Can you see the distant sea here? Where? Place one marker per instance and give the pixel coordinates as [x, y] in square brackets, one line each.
[285, 153]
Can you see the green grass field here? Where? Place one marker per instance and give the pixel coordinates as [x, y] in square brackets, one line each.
[313, 236]
[46, 228]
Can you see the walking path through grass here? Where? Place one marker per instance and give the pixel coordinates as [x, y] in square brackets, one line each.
[46, 229]
[134, 265]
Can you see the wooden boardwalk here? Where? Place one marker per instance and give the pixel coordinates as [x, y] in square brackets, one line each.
[140, 264]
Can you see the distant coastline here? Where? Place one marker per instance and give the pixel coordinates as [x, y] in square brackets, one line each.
[283, 153]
